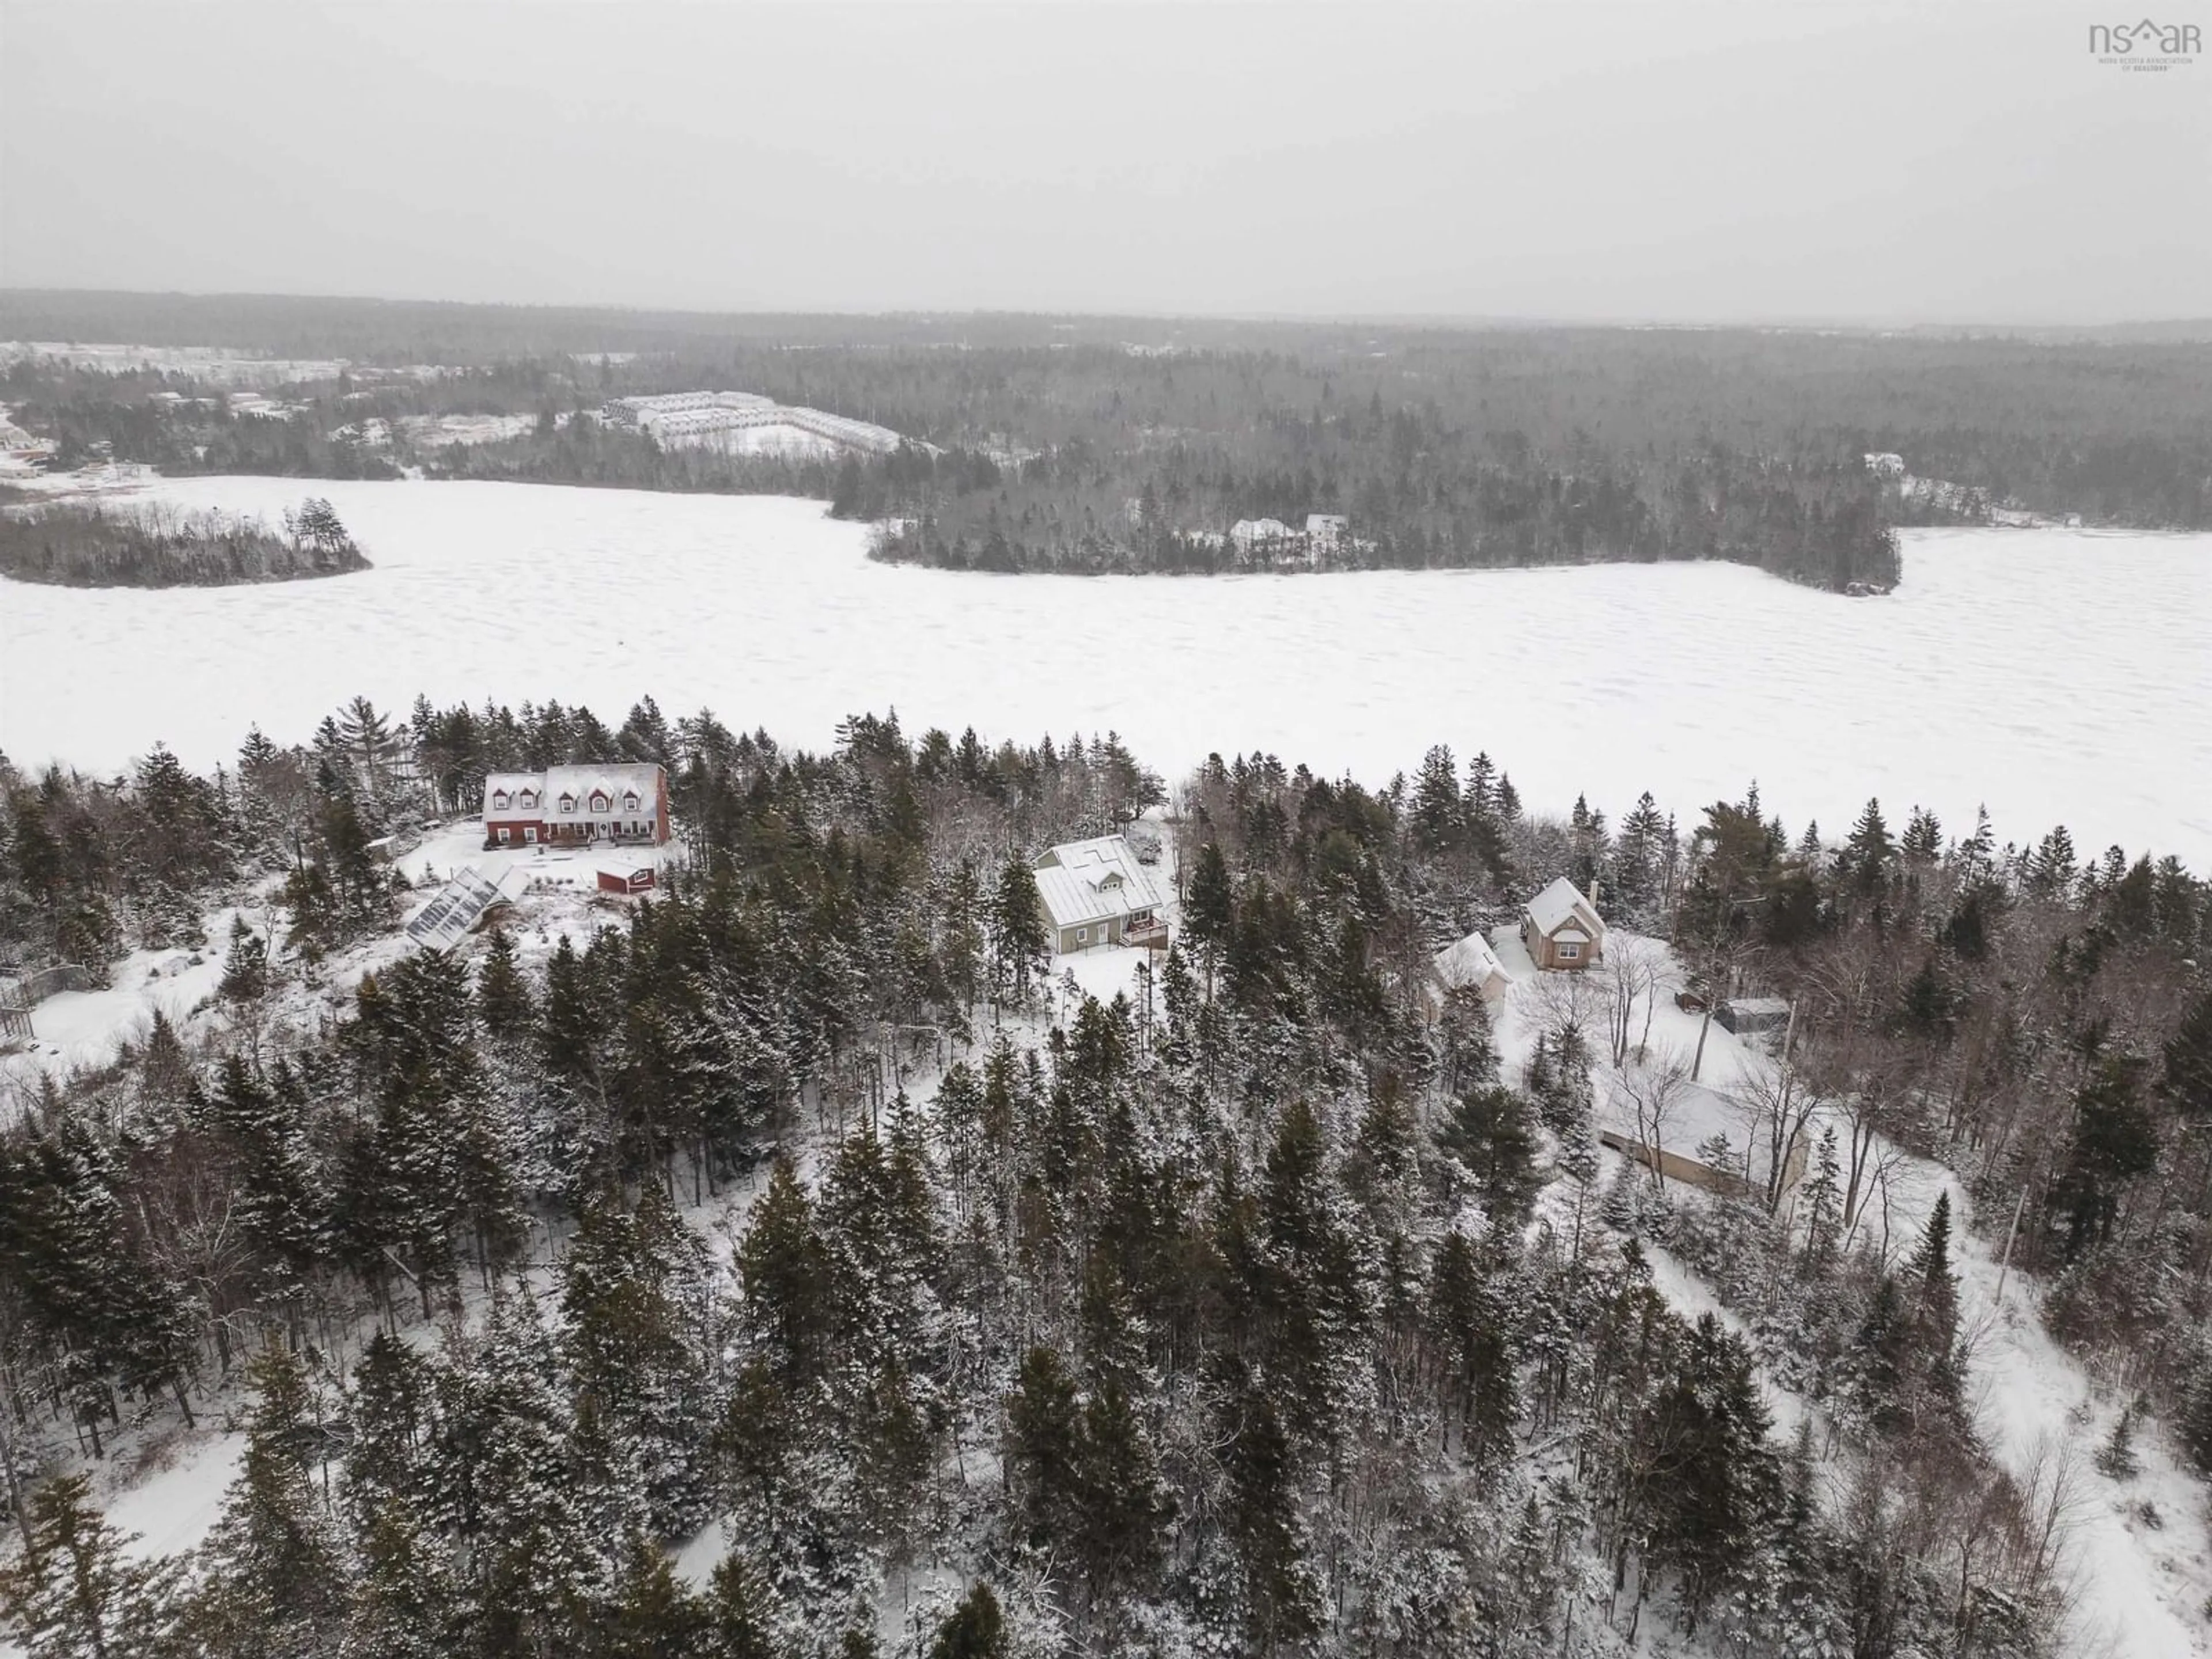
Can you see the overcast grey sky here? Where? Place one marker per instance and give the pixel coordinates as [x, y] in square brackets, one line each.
[1681, 160]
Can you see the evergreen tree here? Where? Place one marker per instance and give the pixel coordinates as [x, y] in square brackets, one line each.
[974, 1630]
[738, 1626]
[1489, 1132]
[785, 1269]
[651, 1615]
[1868, 853]
[1711, 1510]
[1209, 908]
[1281, 1600]
[1019, 942]
[388, 1452]
[76, 1594]
[405, 1604]
[1474, 1338]
[632, 1289]
[1044, 1452]
[1936, 1286]
[2116, 1458]
[503, 1000]
[272, 1575]
[539, 1563]
[246, 966]
[1437, 823]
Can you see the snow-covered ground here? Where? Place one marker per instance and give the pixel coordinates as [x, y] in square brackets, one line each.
[2135, 1555]
[2056, 676]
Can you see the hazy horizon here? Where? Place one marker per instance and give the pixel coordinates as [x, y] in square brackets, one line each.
[1473, 321]
[1706, 164]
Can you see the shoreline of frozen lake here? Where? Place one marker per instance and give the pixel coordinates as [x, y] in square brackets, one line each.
[2058, 676]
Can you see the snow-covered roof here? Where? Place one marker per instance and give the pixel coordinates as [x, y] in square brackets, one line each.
[577, 783]
[1775, 1007]
[1085, 881]
[1560, 903]
[1469, 962]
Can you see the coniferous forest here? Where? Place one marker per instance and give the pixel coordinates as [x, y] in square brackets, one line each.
[1103, 444]
[796, 1263]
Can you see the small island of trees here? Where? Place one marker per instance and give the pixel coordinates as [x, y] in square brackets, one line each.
[78, 545]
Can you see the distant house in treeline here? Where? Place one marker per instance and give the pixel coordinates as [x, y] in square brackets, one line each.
[1562, 928]
[573, 805]
[1325, 532]
[1324, 535]
[1097, 892]
[1250, 536]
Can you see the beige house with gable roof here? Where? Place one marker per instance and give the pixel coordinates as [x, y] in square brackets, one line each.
[1562, 928]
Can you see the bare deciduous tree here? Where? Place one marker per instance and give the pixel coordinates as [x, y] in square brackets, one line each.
[1631, 974]
[1651, 1092]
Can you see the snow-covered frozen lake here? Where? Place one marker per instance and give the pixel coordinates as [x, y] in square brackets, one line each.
[2056, 675]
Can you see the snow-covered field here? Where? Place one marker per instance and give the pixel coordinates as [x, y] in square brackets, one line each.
[2056, 675]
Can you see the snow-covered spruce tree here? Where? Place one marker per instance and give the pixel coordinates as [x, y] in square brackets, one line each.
[536, 1563]
[1018, 943]
[405, 1603]
[77, 1593]
[639, 1340]
[504, 1002]
[284, 1192]
[273, 1577]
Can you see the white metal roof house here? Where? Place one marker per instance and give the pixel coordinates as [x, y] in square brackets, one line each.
[1562, 928]
[1095, 892]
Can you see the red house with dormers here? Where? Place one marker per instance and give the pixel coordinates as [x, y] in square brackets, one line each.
[577, 807]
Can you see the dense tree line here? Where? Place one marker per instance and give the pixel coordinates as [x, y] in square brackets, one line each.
[1106, 445]
[1262, 1311]
[80, 546]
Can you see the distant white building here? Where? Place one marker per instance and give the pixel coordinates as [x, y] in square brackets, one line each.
[684, 416]
[1326, 532]
[1263, 534]
[638, 411]
[1097, 892]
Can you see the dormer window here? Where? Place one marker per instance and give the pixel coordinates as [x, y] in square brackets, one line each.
[630, 801]
[568, 802]
[499, 801]
[529, 799]
[598, 801]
